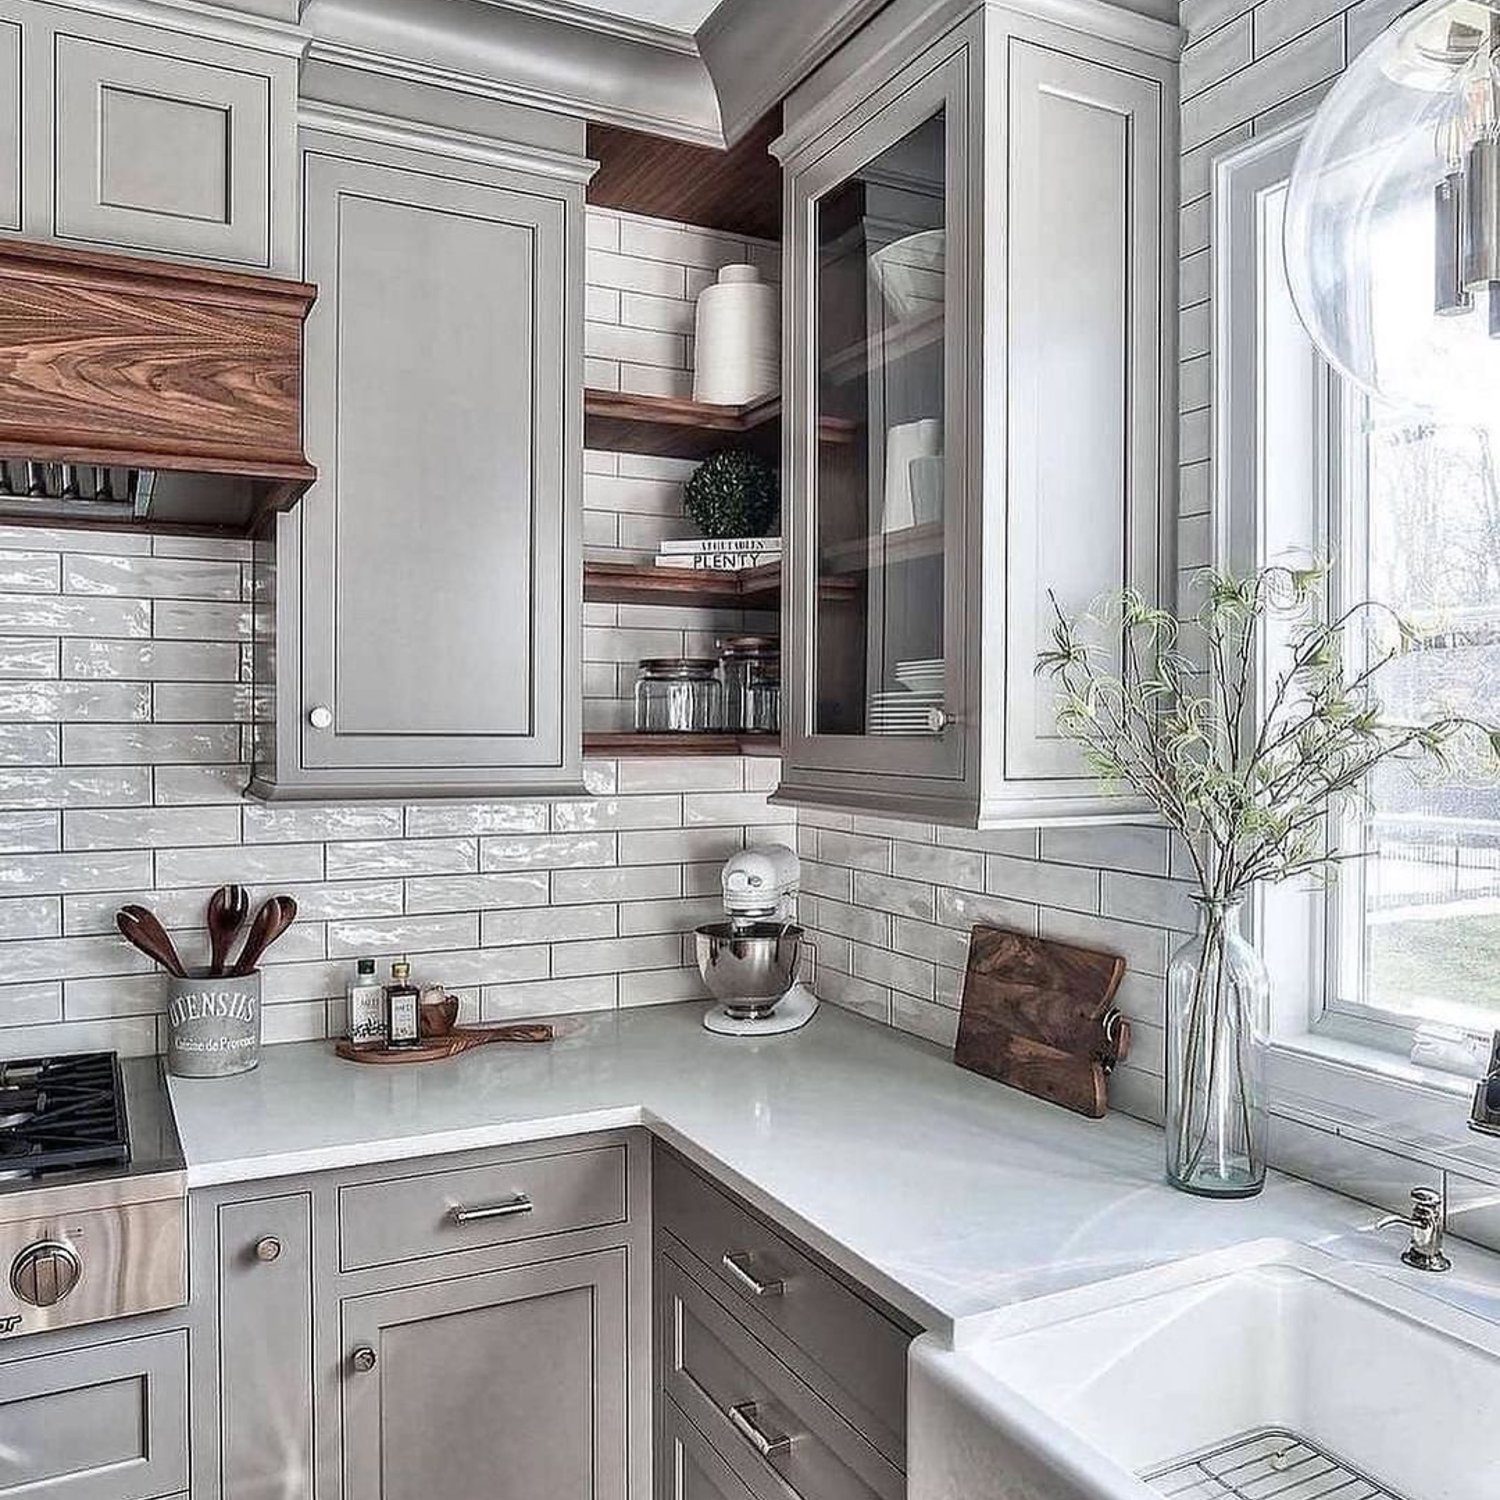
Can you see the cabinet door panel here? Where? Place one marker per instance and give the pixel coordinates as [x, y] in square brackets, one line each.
[10, 125]
[507, 1383]
[108, 1422]
[875, 629]
[432, 544]
[1084, 365]
[161, 152]
[265, 1349]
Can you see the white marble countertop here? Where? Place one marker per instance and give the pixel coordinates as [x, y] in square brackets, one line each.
[947, 1194]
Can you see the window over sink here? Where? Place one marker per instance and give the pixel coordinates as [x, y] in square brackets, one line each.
[1407, 510]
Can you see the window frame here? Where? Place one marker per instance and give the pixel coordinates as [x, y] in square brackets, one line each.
[1321, 1044]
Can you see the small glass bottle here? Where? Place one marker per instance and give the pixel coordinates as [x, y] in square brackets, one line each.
[403, 1010]
[366, 1006]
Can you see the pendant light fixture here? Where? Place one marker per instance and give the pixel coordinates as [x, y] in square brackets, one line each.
[1392, 233]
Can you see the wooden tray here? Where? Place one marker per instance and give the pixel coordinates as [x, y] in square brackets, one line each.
[434, 1049]
[1040, 1016]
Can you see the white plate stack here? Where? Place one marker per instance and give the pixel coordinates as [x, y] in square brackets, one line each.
[922, 676]
[903, 712]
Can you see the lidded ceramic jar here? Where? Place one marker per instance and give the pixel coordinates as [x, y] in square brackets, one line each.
[737, 339]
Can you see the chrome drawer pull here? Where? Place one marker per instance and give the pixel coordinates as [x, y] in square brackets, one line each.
[731, 1261]
[767, 1444]
[520, 1204]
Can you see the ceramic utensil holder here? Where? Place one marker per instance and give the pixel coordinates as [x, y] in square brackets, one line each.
[213, 1024]
[737, 339]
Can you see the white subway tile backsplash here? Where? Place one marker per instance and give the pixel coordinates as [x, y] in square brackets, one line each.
[363, 859]
[151, 661]
[150, 744]
[151, 577]
[150, 828]
[437, 893]
[23, 657]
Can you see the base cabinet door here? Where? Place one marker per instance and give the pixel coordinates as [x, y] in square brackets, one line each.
[506, 1383]
[104, 1422]
[688, 1467]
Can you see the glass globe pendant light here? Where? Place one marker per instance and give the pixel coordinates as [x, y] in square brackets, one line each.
[1392, 234]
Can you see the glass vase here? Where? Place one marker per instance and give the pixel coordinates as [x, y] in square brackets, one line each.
[1218, 1010]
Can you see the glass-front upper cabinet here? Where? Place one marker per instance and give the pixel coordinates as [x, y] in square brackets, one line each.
[979, 358]
[880, 684]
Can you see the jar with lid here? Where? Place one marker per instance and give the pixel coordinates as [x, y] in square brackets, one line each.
[678, 695]
[750, 668]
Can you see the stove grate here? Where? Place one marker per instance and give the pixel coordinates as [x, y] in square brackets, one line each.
[62, 1112]
[1272, 1463]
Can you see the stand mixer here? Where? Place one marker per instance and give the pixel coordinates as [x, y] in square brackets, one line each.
[749, 962]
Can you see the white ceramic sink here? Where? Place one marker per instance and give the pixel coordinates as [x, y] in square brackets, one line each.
[1091, 1394]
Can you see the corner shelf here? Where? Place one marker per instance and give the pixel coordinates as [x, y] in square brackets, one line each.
[676, 427]
[645, 583]
[626, 745]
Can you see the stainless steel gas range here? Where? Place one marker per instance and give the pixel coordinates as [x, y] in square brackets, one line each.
[93, 1197]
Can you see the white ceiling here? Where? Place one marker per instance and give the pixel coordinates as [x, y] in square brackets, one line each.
[676, 15]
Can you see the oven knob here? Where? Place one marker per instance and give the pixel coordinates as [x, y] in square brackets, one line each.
[44, 1273]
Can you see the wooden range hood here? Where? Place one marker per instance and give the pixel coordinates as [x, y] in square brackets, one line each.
[141, 391]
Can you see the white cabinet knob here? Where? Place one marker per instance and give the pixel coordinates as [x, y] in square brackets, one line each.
[321, 717]
[268, 1248]
[938, 719]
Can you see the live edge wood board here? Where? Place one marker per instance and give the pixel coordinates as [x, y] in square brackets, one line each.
[1040, 1016]
[119, 360]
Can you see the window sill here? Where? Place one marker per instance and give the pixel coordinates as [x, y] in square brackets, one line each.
[1380, 1099]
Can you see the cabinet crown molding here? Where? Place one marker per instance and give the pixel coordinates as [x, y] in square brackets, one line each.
[220, 23]
[388, 130]
[537, 53]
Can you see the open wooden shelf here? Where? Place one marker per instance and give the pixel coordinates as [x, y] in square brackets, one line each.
[628, 745]
[676, 427]
[645, 583]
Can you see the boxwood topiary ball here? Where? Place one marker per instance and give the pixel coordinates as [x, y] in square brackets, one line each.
[733, 493]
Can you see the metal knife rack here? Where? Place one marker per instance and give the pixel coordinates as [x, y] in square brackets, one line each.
[74, 490]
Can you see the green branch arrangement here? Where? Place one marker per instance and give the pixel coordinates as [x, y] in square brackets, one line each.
[1170, 708]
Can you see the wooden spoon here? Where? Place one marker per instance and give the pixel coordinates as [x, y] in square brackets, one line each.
[141, 930]
[274, 917]
[227, 909]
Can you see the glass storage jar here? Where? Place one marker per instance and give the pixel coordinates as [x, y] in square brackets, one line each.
[750, 668]
[678, 695]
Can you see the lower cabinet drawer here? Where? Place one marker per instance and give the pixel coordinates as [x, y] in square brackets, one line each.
[107, 1422]
[772, 1428]
[763, 1275]
[687, 1468]
[469, 1208]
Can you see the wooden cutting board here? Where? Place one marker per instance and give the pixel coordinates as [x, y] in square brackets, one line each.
[434, 1049]
[1040, 1016]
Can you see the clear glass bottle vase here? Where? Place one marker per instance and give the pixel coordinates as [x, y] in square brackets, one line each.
[1218, 1013]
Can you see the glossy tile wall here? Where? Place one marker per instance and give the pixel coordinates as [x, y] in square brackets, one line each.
[124, 703]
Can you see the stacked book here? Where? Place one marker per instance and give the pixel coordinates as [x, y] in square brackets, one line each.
[726, 554]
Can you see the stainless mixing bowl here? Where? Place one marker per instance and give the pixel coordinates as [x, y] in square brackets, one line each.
[749, 967]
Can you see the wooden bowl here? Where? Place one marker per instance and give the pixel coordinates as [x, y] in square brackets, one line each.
[437, 1017]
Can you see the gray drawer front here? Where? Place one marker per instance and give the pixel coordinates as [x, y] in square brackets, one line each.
[860, 1350]
[715, 1370]
[409, 1218]
[687, 1468]
[104, 1423]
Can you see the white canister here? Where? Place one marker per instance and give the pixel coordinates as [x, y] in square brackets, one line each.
[737, 342]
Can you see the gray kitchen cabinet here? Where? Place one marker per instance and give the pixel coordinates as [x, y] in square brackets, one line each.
[101, 1421]
[419, 625]
[770, 1366]
[689, 1467]
[512, 1382]
[464, 1347]
[264, 1373]
[177, 142]
[980, 248]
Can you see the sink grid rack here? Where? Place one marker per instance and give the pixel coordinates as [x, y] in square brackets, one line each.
[1271, 1463]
